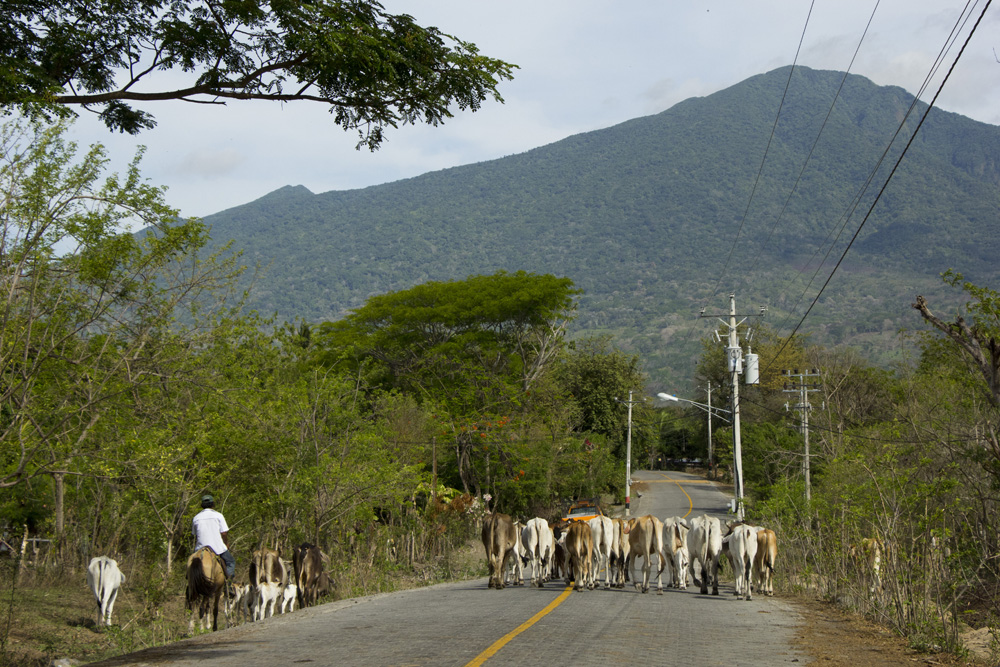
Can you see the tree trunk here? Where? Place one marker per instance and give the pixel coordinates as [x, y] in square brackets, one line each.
[60, 479]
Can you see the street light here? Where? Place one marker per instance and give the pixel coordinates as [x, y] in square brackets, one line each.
[712, 412]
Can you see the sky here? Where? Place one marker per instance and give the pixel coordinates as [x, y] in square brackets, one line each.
[583, 65]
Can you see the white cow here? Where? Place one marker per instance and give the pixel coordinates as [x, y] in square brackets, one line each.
[288, 597]
[742, 542]
[619, 552]
[603, 532]
[675, 532]
[104, 579]
[704, 542]
[538, 545]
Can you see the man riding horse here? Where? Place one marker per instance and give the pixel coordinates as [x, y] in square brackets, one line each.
[211, 530]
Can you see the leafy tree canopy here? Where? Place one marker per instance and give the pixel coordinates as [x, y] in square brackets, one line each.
[373, 69]
[505, 324]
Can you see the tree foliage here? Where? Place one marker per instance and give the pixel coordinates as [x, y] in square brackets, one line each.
[87, 310]
[372, 68]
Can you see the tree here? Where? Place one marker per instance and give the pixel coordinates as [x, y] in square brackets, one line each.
[85, 308]
[598, 378]
[372, 68]
[978, 341]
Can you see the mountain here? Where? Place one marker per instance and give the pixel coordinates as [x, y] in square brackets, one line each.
[661, 216]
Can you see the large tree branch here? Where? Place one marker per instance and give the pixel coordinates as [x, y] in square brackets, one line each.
[982, 349]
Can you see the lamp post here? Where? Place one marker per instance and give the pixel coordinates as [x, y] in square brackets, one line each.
[720, 413]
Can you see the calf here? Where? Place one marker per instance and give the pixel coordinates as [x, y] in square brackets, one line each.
[104, 579]
[645, 538]
[288, 597]
[238, 603]
[675, 532]
[763, 563]
[267, 598]
[704, 543]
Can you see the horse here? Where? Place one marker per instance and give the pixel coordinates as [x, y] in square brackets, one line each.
[206, 580]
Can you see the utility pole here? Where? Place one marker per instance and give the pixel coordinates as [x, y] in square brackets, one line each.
[734, 358]
[628, 452]
[802, 386]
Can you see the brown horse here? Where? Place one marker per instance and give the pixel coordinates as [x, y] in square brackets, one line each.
[206, 580]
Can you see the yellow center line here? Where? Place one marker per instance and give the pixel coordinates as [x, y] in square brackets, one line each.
[500, 643]
[678, 483]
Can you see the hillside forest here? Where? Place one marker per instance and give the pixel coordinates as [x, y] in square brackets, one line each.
[134, 381]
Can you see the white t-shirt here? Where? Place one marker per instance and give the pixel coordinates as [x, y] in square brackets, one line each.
[208, 527]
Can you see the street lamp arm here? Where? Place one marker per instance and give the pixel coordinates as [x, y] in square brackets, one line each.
[710, 409]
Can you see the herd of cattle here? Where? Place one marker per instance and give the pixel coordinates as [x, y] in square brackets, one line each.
[579, 549]
[274, 585]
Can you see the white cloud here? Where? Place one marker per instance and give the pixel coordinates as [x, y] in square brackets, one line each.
[583, 65]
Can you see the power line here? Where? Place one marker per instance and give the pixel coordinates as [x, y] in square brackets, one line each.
[767, 148]
[888, 178]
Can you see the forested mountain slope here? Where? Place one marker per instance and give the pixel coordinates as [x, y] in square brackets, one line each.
[654, 219]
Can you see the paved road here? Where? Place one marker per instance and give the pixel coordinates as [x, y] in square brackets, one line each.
[466, 623]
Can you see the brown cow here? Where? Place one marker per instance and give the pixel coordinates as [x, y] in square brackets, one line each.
[763, 562]
[579, 549]
[307, 562]
[645, 538]
[498, 539]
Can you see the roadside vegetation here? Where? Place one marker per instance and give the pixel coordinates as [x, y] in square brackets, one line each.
[133, 382]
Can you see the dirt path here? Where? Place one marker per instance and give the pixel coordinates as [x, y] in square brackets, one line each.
[835, 638]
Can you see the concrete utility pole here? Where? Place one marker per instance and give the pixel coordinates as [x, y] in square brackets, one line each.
[802, 387]
[628, 452]
[734, 358]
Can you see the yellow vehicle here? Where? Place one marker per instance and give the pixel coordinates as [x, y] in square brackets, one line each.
[582, 510]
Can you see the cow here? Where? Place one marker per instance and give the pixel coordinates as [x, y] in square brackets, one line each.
[498, 539]
[104, 579]
[704, 542]
[645, 538]
[602, 531]
[268, 598]
[538, 545]
[742, 546]
[289, 596]
[868, 555]
[513, 574]
[238, 603]
[268, 577]
[307, 563]
[619, 553]
[675, 531]
[763, 563]
[579, 551]
[206, 578]
[558, 566]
